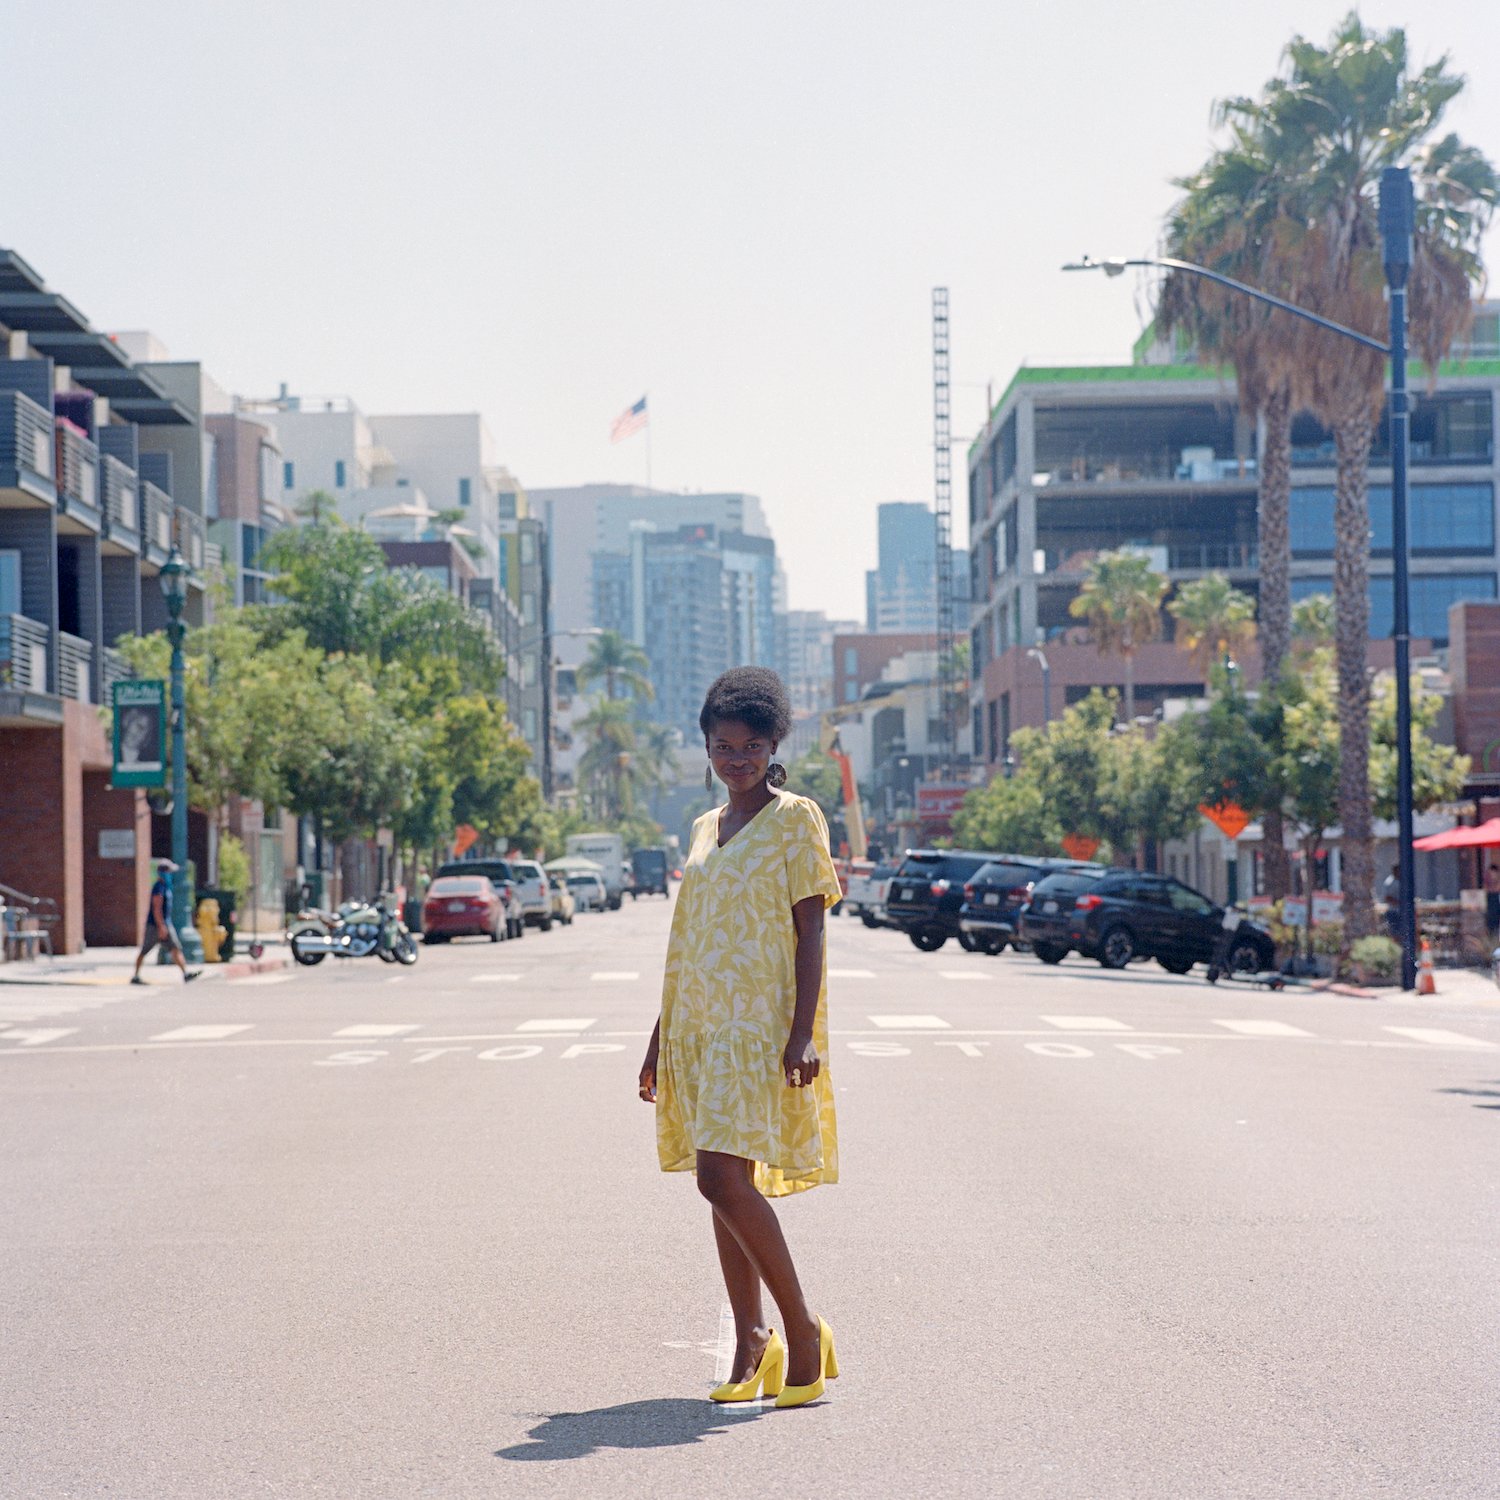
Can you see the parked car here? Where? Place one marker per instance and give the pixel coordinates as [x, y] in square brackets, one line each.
[994, 897]
[867, 893]
[1116, 916]
[563, 904]
[463, 906]
[589, 893]
[500, 875]
[536, 892]
[926, 892]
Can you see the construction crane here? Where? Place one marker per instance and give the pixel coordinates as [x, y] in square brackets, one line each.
[942, 473]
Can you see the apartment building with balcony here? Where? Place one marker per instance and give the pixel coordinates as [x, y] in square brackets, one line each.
[1156, 455]
[89, 511]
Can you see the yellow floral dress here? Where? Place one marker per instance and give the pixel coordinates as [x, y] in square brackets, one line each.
[729, 996]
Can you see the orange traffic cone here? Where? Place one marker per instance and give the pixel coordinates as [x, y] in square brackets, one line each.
[1426, 979]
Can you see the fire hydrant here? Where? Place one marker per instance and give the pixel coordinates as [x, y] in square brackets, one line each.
[210, 929]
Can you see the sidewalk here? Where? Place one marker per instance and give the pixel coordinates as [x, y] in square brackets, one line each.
[100, 966]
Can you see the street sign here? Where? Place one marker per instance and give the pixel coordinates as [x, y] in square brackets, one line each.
[1080, 846]
[1228, 817]
[938, 801]
[140, 711]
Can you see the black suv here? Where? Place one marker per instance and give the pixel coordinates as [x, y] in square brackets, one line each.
[993, 898]
[926, 893]
[1119, 915]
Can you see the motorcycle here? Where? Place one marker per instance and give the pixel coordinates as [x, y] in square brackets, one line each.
[358, 929]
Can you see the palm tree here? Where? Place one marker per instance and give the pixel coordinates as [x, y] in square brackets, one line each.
[1121, 601]
[451, 519]
[1347, 111]
[605, 767]
[314, 505]
[617, 661]
[1215, 620]
[656, 761]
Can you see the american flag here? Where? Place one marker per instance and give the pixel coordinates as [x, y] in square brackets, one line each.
[631, 420]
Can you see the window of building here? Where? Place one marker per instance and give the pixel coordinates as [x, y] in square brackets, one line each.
[288, 475]
[851, 691]
[267, 472]
[851, 661]
[338, 473]
[528, 608]
[1444, 520]
[10, 581]
[1452, 427]
[528, 548]
[528, 723]
[528, 670]
[994, 740]
[1431, 596]
[463, 491]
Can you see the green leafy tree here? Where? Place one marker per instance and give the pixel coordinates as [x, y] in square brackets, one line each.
[1121, 601]
[604, 768]
[1010, 815]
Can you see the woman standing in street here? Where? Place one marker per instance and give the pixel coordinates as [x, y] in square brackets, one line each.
[735, 1064]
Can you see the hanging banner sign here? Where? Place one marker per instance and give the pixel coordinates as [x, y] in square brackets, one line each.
[140, 709]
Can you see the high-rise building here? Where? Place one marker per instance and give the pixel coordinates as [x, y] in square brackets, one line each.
[901, 590]
[807, 658]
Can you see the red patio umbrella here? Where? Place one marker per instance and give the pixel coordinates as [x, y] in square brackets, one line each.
[1485, 836]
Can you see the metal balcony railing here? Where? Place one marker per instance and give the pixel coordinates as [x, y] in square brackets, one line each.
[26, 440]
[75, 656]
[77, 472]
[113, 668]
[192, 541]
[1209, 556]
[1186, 467]
[156, 515]
[120, 494]
[23, 654]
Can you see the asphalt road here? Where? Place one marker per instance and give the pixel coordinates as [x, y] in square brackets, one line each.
[383, 1232]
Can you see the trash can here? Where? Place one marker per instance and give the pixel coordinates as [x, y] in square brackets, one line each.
[411, 914]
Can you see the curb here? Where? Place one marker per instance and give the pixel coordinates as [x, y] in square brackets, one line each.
[243, 968]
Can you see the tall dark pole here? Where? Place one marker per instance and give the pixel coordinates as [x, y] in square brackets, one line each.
[174, 576]
[1395, 233]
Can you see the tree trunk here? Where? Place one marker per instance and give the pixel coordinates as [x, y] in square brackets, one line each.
[1129, 687]
[1274, 538]
[1351, 600]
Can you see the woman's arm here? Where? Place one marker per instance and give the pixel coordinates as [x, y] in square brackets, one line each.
[801, 1057]
[648, 1068]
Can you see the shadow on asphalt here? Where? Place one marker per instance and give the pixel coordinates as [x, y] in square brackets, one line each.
[664, 1423]
[1492, 1094]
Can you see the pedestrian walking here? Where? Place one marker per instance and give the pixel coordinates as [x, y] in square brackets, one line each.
[1390, 892]
[735, 1063]
[160, 927]
[1492, 901]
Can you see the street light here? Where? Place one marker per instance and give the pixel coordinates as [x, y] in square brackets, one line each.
[1040, 657]
[1397, 213]
[174, 581]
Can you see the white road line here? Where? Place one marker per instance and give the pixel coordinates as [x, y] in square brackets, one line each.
[962, 974]
[262, 979]
[1438, 1037]
[378, 1028]
[851, 973]
[1262, 1028]
[1086, 1023]
[38, 1036]
[609, 974]
[199, 1033]
[494, 978]
[575, 1024]
[911, 1023]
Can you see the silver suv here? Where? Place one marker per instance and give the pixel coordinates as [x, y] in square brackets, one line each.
[536, 893]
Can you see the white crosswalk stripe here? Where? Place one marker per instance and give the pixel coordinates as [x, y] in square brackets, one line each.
[1086, 1023]
[851, 973]
[379, 1028]
[199, 1033]
[37, 1035]
[609, 974]
[567, 1024]
[494, 978]
[910, 1023]
[1262, 1028]
[963, 974]
[1439, 1038]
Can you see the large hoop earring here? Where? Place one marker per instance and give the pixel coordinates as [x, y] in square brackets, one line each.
[708, 778]
[776, 774]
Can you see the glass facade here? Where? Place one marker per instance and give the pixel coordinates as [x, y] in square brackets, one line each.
[1452, 427]
[1431, 595]
[1444, 520]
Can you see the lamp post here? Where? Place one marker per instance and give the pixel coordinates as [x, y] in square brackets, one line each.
[1040, 657]
[174, 580]
[1396, 220]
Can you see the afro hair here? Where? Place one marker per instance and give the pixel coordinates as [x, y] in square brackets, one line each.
[753, 696]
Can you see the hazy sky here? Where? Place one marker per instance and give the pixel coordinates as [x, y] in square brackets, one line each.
[541, 210]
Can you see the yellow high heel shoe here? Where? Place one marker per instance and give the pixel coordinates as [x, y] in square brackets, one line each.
[770, 1373]
[800, 1395]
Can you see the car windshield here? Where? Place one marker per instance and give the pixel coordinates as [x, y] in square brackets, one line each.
[452, 886]
[1005, 874]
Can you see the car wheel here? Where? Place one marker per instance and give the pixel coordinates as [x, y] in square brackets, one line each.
[928, 939]
[1244, 958]
[1117, 948]
[995, 947]
[430, 938]
[495, 933]
[1175, 965]
[1049, 953]
[967, 943]
[868, 918]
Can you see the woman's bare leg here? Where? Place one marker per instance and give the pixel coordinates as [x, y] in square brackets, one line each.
[742, 1282]
[727, 1182]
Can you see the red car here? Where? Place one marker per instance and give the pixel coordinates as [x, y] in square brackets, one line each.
[463, 906]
